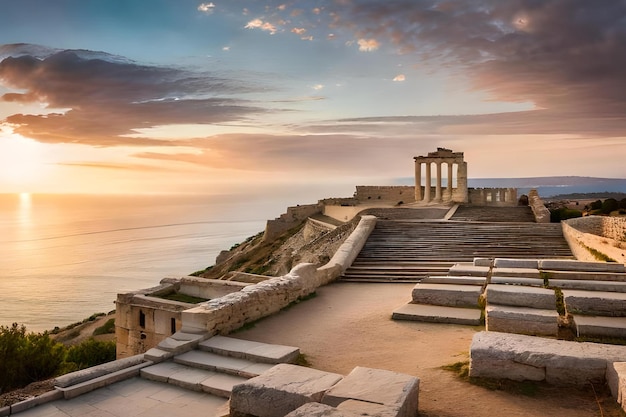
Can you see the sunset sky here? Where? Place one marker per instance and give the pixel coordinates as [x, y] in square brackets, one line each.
[183, 96]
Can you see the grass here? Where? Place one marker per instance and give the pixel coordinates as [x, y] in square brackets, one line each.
[183, 298]
[598, 255]
[106, 328]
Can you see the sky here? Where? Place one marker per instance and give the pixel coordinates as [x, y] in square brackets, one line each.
[134, 96]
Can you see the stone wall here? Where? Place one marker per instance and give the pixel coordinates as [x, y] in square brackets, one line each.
[493, 196]
[228, 313]
[588, 232]
[315, 228]
[542, 214]
[292, 218]
[391, 193]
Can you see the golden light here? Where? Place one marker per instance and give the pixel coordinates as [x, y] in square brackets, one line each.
[21, 162]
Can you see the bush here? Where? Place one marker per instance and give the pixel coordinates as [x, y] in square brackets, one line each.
[27, 357]
[563, 213]
[91, 352]
[106, 328]
[30, 357]
[596, 205]
[622, 203]
[609, 205]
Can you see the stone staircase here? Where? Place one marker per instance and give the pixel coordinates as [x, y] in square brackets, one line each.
[541, 297]
[215, 365]
[521, 214]
[409, 251]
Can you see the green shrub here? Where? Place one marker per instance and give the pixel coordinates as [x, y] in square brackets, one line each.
[27, 357]
[91, 352]
[609, 205]
[564, 213]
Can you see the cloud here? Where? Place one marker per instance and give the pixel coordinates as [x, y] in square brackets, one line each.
[298, 154]
[104, 97]
[259, 24]
[207, 8]
[399, 77]
[567, 56]
[368, 45]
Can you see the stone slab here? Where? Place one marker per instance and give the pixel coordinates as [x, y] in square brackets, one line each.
[281, 390]
[451, 295]
[459, 280]
[257, 351]
[589, 285]
[469, 270]
[55, 394]
[516, 263]
[438, 314]
[189, 337]
[364, 408]
[170, 344]
[158, 355]
[320, 410]
[213, 362]
[590, 276]
[597, 303]
[482, 262]
[573, 265]
[161, 372]
[221, 384]
[378, 386]
[559, 362]
[190, 378]
[521, 296]
[600, 326]
[521, 320]
[616, 380]
[529, 282]
[102, 381]
[516, 272]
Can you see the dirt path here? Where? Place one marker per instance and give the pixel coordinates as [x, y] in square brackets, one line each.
[349, 325]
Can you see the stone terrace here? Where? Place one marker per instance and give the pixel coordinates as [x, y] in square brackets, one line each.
[408, 250]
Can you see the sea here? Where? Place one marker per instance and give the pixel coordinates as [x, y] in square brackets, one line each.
[66, 257]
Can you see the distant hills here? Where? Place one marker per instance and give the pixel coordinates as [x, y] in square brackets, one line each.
[550, 186]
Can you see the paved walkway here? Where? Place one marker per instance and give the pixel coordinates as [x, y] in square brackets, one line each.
[133, 397]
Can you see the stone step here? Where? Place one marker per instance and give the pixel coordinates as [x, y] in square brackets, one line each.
[596, 303]
[459, 280]
[607, 286]
[451, 295]
[529, 282]
[521, 296]
[192, 378]
[582, 275]
[438, 314]
[574, 265]
[225, 364]
[521, 320]
[250, 350]
[517, 272]
[466, 269]
[600, 326]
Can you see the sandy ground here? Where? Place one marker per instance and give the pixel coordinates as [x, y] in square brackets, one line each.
[349, 324]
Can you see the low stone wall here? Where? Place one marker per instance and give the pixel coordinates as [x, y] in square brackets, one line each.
[315, 228]
[493, 196]
[542, 214]
[391, 193]
[582, 233]
[610, 227]
[228, 313]
[293, 217]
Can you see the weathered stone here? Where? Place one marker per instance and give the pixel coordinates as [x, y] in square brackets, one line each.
[521, 320]
[517, 272]
[529, 282]
[573, 265]
[365, 408]
[320, 410]
[447, 294]
[597, 303]
[521, 296]
[437, 314]
[460, 280]
[482, 261]
[520, 357]
[391, 389]
[616, 380]
[516, 263]
[469, 270]
[600, 326]
[281, 390]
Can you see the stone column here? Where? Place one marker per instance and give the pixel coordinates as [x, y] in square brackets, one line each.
[438, 183]
[449, 185]
[462, 181]
[427, 184]
[418, 181]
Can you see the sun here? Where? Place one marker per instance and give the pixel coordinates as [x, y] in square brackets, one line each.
[21, 162]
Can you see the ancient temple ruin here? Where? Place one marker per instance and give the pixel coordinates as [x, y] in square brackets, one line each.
[458, 194]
